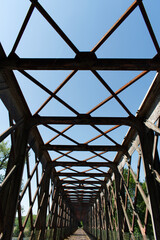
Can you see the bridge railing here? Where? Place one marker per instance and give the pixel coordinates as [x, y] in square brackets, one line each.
[126, 208]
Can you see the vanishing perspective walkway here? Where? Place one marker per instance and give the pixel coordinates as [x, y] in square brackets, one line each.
[80, 234]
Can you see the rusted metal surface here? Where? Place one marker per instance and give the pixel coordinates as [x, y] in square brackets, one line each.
[95, 189]
[74, 64]
[82, 147]
[84, 119]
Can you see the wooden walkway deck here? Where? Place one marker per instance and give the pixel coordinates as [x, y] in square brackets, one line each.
[80, 234]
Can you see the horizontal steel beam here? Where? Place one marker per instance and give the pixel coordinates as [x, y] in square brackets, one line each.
[80, 192]
[78, 64]
[86, 198]
[84, 204]
[81, 182]
[81, 174]
[82, 201]
[83, 119]
[83, 147]
[84, 164]
[80, 187]
[82, 196]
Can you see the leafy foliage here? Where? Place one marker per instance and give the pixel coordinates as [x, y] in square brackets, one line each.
[140, 204]
[27, 230]
[4, 155]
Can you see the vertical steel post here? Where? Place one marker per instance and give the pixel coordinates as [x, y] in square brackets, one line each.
[29, 189]
[146, 141]
[69, 226]
[119, 206]
[64, 220]
[100, 216]
[61, 220]
[106, 212]
[43, 198]
[96, 219]
[91, 220]
[11, 196]
[55, 214]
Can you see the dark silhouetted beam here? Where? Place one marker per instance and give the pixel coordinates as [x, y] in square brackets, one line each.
[84, 164]
[81, 182]
[80, 187]
[83, 119]
[83, 147]
[82, 201]
[81, 196]
[80, 192]
[81, 174]
[78, 64]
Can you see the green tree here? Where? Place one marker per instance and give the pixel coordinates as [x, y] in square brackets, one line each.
[140, 204]
[16, 228]
[4, 156]
[27, 230]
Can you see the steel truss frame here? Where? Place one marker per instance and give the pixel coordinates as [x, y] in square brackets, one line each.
[106, 205]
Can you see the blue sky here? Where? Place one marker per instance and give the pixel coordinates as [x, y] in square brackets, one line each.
[84, 22]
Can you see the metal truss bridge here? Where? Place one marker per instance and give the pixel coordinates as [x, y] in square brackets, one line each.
[95, 163]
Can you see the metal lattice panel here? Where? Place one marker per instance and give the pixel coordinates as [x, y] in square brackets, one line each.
[77, 134]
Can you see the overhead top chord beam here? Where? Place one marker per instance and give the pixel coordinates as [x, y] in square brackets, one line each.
[83, 119]
[84, 164]
[81, 174]
[81, 187]
[81, 182]
[81, 63]
[83, 147]
[81, 193]
[83, 201]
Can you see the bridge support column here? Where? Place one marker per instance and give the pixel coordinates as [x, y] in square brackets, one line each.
[146, 141]
[100, 215]
[72, 222]
[69, 221]
[96, 214]
[59, 215]
[55, 214]
[11, 191]
[93, 216]
[62, 221]
[94, 220]
[43, 201]
[69, 218]
[91, 219]
[50, 220]
[119, 207]
[106, 213]
[66, 221]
